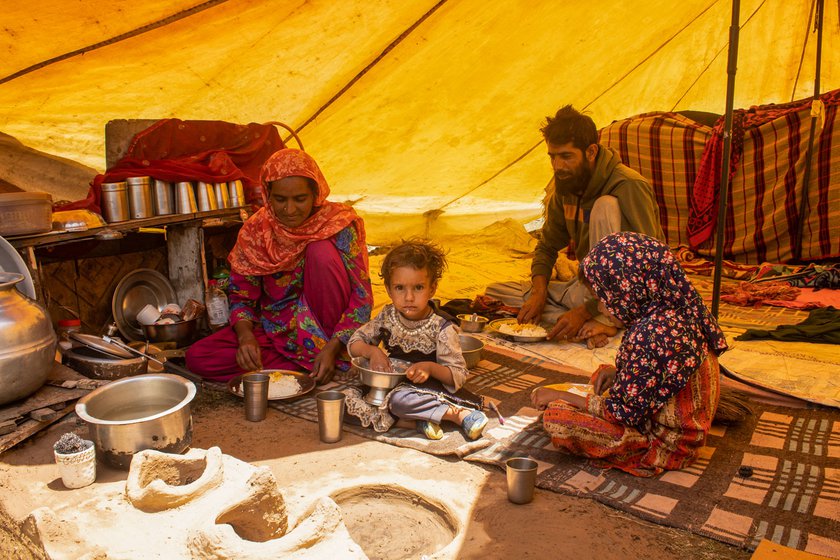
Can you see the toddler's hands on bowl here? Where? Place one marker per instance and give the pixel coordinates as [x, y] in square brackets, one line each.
[379, 361]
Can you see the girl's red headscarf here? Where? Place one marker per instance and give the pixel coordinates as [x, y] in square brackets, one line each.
[266, 246]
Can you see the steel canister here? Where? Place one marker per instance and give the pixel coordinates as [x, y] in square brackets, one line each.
[140, 197]
[164, 199]
[185, 198]
[237, 194]
[220, 191]
[205, 197]
[115, 202]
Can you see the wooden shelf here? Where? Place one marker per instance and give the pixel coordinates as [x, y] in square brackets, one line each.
[185, 246]
[202, 219]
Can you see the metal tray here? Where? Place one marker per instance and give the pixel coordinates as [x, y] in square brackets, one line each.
[137, 289]
[306, 383]
[494, 327]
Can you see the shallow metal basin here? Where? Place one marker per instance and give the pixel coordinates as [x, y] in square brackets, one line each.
[471, 348]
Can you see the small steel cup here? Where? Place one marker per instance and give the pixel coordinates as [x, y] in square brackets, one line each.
[205, 197]
[164, 201]
[222, 195]
[237, 193]
[255, 389]
[521, 478]
[185, 198]
[330, 415]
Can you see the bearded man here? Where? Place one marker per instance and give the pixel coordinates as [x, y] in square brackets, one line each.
[593, 195]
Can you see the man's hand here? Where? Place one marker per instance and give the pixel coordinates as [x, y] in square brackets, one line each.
[531, 310]
[569, 324]
[323, 368]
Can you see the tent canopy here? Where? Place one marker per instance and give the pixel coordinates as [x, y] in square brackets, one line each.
[424, 113]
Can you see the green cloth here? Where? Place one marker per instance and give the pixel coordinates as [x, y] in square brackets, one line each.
[822, 325]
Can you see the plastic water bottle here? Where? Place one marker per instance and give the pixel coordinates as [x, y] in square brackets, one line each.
[218, 310]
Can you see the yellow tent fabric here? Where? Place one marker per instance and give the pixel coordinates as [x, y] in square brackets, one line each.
[424, 113]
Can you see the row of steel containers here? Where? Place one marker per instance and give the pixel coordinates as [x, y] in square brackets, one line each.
[145, 197]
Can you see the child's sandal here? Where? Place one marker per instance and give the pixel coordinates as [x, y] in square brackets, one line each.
[429, 429]
[474, 424]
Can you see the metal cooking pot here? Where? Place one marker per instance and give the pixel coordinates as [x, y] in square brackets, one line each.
[27, 342]
[136, 413]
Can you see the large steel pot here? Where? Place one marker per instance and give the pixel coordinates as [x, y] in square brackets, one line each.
[136, 413]
[27, 342]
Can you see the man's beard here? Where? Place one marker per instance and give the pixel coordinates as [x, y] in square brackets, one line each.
[574, 183]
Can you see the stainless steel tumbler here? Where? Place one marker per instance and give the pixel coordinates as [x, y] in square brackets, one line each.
[255, 390]
[220, 191]
[185, 198]
[521, 478]
[164, 199]
[205, 197]
[330, 415]
[237, 194]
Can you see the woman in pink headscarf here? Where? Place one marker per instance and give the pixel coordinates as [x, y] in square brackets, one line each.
[299, 283]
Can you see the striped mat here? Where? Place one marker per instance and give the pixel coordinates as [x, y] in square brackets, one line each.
[789, 494]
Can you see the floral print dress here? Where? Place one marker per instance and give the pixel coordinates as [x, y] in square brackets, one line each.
[277, 303]
[661, 405]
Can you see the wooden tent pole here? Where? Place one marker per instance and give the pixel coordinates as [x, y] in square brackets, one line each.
[799, 232]
[723, 195]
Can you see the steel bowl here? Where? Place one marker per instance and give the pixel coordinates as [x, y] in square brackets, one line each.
[472, 323]
[145, 412]
[380, 382]
[181, 333]
[471, 348]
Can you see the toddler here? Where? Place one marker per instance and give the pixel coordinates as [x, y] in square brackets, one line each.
[409, 329]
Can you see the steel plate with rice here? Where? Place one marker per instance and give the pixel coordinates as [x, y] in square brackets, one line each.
[510, 329]
[283, 384]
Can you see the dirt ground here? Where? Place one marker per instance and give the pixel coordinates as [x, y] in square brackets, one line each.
[487, 524]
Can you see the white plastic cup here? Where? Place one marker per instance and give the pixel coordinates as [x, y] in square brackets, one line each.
[77, 469]
[148, 315]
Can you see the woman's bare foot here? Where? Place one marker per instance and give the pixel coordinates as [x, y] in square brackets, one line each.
[595, 333]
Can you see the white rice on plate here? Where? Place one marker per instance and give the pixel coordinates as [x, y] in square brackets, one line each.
[282, 386]
[525, 329]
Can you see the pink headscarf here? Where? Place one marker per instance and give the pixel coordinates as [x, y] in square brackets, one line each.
[266, 246]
